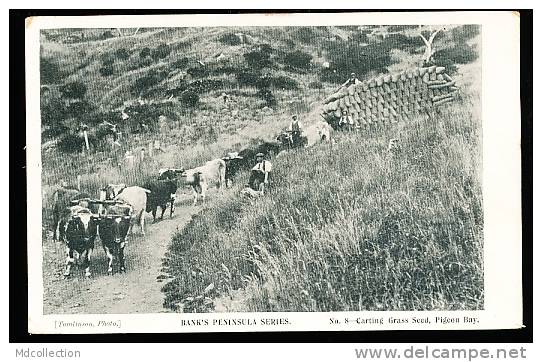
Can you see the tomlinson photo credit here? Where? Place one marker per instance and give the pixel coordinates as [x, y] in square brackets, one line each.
[273, 172]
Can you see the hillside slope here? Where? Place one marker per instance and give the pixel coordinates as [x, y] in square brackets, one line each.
[351, 227]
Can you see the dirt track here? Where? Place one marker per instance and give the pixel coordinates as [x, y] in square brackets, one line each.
[136, 291]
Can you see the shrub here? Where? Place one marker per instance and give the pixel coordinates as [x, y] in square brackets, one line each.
[122, 54]
[107, 59]
[283, 82]
[290, 44]
[160, 52]
[198, 72]
[459, 54]
[394, 28]
[229, 39]
[183, 45]
[49, 71]
[144, 62]
[53, 113]
[146, 114]
[465, 32]
[190, 99]
[354, 57]
[180, 63]
[144, 83]
[403, 42]
[178, 88]
[304, 34]
[298, 59]
[248, 78]
[265, 48]
[79, 108]
[145, 52]
[266, 95]
[106, 70]
[71, 142]
[206, 85]
[74, 90]
[258, 59]
[106, 35]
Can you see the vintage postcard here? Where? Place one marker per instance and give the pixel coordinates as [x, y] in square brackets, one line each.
[273, 172]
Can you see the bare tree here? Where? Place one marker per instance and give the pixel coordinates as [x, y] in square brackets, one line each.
[429, 50]
[121, 34]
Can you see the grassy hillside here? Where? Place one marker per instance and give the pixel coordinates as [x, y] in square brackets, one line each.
[90, 75]
[350, 227]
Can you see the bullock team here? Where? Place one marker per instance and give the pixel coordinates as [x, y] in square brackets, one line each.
[79, 219]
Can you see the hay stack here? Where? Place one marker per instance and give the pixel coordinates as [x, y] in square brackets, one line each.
[390, 98]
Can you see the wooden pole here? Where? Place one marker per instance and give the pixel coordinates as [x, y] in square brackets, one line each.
[85, 133]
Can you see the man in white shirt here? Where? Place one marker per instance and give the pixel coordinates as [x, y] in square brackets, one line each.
[259, 175]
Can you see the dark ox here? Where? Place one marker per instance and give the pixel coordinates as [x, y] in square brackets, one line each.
[113, 228]
[169, 173]
[161, 193]
[62, 201]
[111, 191]
[287, 140]
[80, 231]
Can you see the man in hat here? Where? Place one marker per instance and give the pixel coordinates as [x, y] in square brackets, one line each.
[295, 130]
[346, 122]
[352, 80]
[259, 175]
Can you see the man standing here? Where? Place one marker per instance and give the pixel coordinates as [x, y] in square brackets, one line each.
[295, 129]
[259, 175]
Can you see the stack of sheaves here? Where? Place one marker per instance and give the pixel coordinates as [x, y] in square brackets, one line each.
[392, 97]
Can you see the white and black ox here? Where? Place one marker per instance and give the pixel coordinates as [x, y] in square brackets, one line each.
[134, 196]
[199, 178]
[79, 231]
[113, 228]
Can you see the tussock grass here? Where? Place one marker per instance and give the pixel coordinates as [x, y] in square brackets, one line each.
[349, 227]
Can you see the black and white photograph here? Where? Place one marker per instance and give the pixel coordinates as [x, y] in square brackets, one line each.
[226, 170]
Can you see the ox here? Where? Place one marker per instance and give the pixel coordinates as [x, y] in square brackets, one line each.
[317, 132]
[80, 232]
[199, 178]
[113, 228]
[112, 190]
[169, 173]
[162, 192]
[136, 197]
[287, 140]
[61, 202]
[234, 163]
